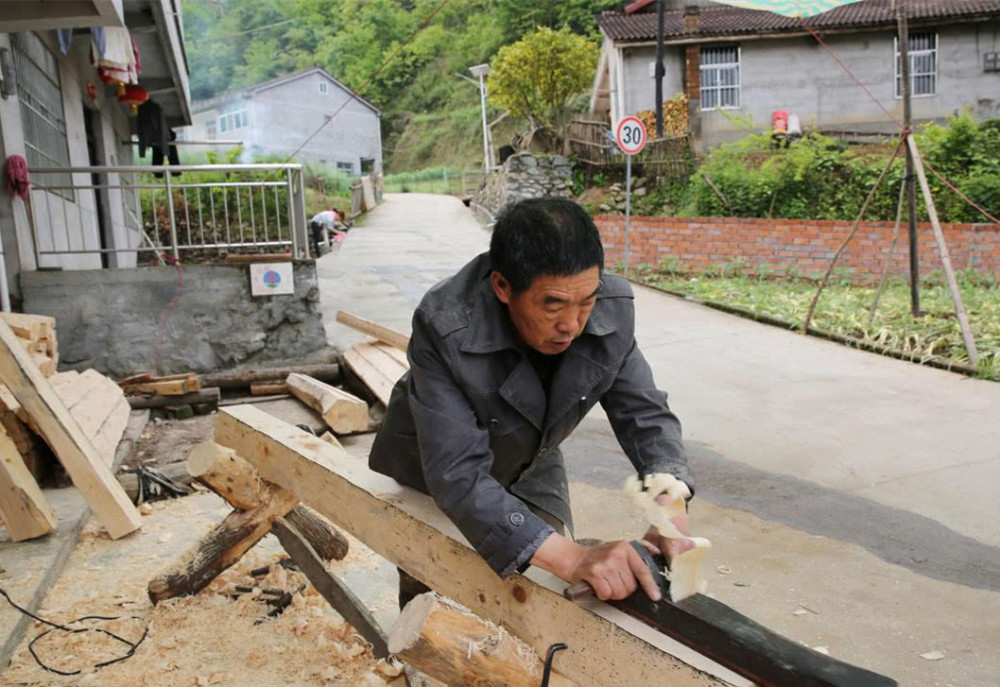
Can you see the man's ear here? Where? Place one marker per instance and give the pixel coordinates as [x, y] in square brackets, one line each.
[501, 287]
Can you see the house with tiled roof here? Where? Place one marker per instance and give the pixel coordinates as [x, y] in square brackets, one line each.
[739, 66]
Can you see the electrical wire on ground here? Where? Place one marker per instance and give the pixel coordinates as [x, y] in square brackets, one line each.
[132, 646]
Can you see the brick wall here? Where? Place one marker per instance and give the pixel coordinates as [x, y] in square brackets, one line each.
[807, 245]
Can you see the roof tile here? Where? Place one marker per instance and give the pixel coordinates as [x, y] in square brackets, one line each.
[732, 21]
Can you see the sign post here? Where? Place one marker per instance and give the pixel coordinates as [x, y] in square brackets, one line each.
[631, 138]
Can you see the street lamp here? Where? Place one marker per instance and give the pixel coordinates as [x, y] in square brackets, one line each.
[481, 70]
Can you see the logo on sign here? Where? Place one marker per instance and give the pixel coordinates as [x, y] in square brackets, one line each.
[631, 135]
[271, 279]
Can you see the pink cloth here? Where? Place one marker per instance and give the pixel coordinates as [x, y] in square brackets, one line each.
[18, 181]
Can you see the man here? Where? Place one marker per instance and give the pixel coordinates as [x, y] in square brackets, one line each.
[507, 357]
[324, 225]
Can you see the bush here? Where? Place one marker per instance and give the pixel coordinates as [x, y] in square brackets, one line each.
[817, 177]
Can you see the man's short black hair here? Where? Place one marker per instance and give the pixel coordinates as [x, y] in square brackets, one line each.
[539, 236]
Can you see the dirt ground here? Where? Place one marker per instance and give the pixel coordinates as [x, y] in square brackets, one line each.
[208, 639]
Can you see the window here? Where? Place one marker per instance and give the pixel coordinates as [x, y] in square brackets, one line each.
[345, 167]
[720, 78]
[210, 129]
[235, 116]
[42, 117]
[923, 64]
[323, 86]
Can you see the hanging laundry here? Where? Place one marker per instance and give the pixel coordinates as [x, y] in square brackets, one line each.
[18, 182]
[65, 37]
[151, 125]
[172, 157]
[97, 36]
[119, 62]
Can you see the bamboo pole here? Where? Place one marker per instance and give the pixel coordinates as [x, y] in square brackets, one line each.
[956, 295]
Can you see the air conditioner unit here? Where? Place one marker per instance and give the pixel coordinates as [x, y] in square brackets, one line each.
[991, 62]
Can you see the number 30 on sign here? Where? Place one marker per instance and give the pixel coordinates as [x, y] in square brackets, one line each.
[631, 135]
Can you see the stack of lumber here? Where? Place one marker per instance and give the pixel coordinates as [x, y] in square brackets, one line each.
[37, 334]
[178, 392]
[380, 360]
[81, 417]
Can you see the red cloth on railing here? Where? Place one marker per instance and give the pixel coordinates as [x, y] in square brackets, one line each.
[18, 182]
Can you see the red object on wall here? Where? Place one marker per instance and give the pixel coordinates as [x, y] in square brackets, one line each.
[779, 122]
[18, 181]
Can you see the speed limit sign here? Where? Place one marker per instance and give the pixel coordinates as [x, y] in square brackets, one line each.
[631, 135]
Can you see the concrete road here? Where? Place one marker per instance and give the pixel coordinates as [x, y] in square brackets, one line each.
[852, 500]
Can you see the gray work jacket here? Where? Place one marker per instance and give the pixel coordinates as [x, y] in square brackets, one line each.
[470, 423]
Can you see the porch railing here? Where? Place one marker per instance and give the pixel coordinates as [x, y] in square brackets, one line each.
[155, 212]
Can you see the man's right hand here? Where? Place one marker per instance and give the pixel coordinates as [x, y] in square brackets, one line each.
[613, 569]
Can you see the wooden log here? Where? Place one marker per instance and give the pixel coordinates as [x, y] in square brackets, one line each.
[342, 411]
[74, 450]
[378, 365]
[374, 329]
[243, 258]
[242, 379]
[268, 388]
[210, 395]
[448, 642]
[222, 547]
[223, 471]
[166, 387]
[407, 528]
[338, 595]
[26, 513]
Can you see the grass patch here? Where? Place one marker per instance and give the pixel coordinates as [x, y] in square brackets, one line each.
[845, 310]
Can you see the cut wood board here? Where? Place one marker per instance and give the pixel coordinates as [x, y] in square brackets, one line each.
[379, 365]
[74, 450]
[25, 511]
[380, 332]
[98, 404]
[406, 527]
[343, 412]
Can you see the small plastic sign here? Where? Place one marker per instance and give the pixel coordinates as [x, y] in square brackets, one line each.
[631, 135]
[271, 279]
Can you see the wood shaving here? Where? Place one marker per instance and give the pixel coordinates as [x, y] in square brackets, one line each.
[209, 639]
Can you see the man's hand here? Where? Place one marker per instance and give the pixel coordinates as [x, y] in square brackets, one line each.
[613, 569]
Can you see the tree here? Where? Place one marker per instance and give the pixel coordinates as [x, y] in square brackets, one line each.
[538, 76]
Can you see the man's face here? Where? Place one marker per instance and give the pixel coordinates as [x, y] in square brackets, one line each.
[553, 311]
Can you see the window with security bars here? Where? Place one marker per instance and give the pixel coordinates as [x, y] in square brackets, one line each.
[923, 64]
[43, 119]
[720, 78]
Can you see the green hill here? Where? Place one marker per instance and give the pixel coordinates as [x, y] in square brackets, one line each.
[387, 50]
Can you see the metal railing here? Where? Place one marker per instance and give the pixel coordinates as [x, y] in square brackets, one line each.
[180, 211]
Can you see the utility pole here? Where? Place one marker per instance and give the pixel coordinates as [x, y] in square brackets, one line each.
[910, 179]
[658, 70]
[482, 70]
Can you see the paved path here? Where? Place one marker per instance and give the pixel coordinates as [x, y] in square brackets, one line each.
[862, 488]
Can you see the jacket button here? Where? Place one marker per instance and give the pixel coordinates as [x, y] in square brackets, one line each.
[541, 453]
[516, 519]
[493, 423]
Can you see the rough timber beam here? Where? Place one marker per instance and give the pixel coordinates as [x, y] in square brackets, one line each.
[407, 528]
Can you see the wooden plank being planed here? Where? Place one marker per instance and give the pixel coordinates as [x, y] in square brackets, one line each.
[408, 529]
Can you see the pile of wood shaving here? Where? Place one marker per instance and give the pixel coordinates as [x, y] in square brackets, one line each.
[207, 639]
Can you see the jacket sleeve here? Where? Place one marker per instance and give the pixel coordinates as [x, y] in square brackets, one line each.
[649, 433]
[456, 461]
